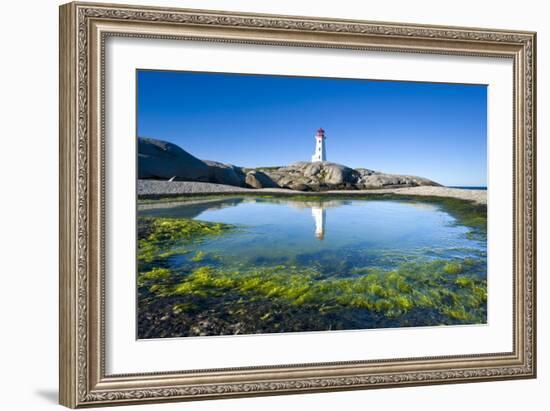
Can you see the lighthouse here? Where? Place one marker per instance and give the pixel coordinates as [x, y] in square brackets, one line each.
[320, 151]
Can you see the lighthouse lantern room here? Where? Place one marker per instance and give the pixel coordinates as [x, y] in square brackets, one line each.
[320, 151]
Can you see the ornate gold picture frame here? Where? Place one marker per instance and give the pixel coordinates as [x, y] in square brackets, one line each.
[84, 29]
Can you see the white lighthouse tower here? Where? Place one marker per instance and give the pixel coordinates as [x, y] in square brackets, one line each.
[320, 151]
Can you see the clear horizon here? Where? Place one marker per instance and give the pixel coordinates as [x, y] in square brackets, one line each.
[436, 131]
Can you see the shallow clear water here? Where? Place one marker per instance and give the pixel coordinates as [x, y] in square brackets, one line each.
[377, 233]
[290, 265]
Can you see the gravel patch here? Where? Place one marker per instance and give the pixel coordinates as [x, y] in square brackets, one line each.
[162, 188]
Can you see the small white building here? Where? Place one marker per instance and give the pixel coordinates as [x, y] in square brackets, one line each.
[320, 151]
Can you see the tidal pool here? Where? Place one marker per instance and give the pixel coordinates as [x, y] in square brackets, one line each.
[243, 265]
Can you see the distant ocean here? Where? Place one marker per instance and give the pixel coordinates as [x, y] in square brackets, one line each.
[470, 187]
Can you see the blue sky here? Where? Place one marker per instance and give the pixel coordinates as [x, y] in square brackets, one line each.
[437, 131]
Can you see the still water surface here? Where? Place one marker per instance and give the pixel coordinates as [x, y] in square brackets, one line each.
[286, 230]
[294, 265]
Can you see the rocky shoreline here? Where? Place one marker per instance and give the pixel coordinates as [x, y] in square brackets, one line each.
[158, 188]
[167, 170]
[161, 160]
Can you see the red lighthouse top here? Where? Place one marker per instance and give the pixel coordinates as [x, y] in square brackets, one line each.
[320, 132]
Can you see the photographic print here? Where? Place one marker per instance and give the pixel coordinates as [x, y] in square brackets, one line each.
[257, 204]
[275, 204]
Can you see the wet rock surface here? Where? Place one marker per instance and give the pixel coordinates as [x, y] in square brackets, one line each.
[188, 316]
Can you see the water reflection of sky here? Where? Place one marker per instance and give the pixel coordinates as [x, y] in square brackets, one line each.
[284, 229]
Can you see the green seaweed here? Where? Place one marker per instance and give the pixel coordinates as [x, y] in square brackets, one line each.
[172, 252]
[155, 278]
[199, 256]
[428, 285]
[419, 291]
[160, 238]
[453, 267]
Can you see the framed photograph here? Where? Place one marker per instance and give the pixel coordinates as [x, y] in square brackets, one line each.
[259, 204]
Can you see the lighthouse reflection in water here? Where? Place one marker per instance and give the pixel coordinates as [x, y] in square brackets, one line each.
[324, 252]
[277, 230]
[319, 215]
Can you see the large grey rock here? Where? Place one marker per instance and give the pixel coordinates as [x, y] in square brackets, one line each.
[161, 160]
[226, 174]
[337, 174]
[259, 179]
[316, 175]
[166, 161]
[363, 172]
[322, 176]
[379, 180]
[311, 169]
